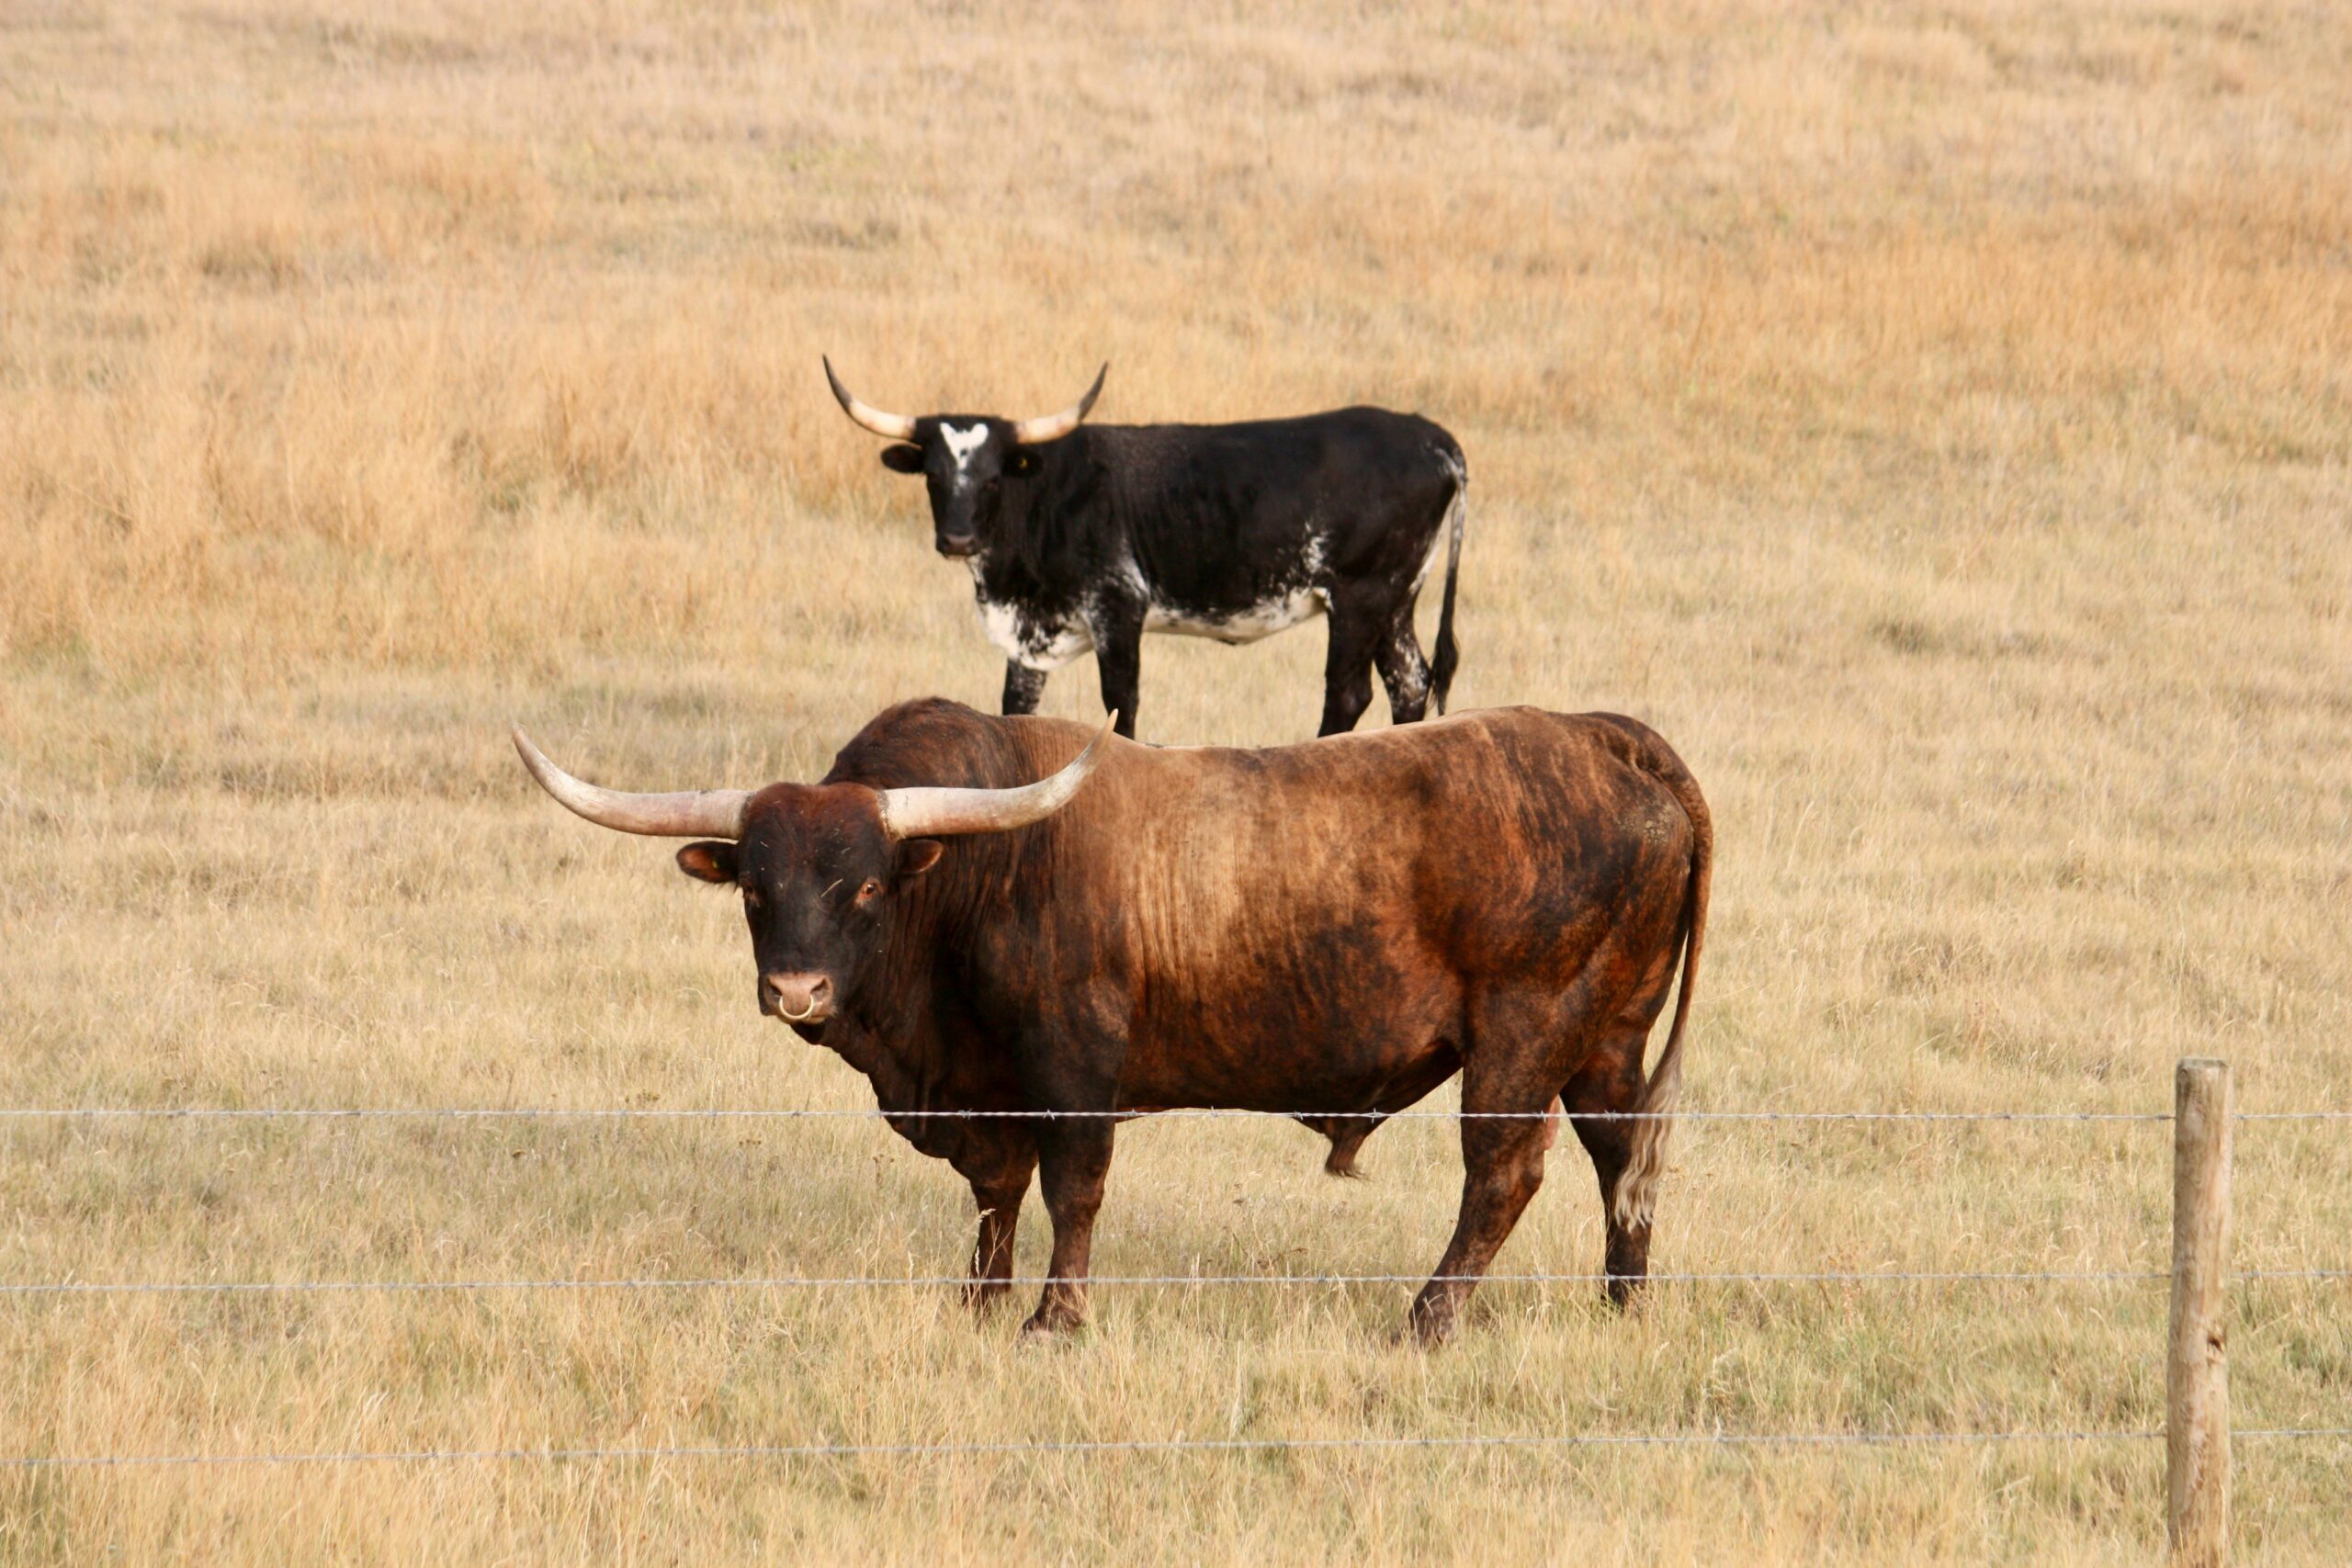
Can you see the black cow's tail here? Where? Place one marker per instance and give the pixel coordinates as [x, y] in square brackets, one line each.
[1636, 1195]
[1448, 656]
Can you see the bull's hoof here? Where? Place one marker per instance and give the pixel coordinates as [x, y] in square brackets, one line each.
[1424, 1329]
[1042, 1329]
[1625, 1293]
[984, 1296]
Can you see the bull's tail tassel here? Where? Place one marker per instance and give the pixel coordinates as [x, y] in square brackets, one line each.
[1636, 1197]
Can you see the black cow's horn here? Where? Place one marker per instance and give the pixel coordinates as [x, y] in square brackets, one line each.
[684, 814]
[929, 813]
[889, 426]
[1054, 426]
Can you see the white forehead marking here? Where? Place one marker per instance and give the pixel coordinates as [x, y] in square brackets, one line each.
[962, 444]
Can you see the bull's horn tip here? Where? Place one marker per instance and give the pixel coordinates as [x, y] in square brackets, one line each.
[534, 761]
[1110, 722]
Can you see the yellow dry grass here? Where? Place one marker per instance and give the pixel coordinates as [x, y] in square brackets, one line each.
[1938, 424]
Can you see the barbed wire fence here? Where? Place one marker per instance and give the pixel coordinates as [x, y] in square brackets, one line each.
[1180, 1113]
[1537, 1440]
[2193, 1271]
[940, 1281]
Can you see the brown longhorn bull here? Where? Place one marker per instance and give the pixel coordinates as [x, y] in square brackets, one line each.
[1334, 927]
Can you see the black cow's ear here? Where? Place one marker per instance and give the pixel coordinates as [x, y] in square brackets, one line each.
[919, 855]
[710, 861]
[1025, 462]
[902, 458]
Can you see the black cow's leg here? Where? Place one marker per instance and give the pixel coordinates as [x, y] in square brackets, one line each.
[1023, 688]
[1513, 1049]
[1347, 665]
[1397, 656]
[1118, 654]
[1074, 1165]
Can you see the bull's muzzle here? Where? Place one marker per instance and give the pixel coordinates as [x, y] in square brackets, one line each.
[797, 998]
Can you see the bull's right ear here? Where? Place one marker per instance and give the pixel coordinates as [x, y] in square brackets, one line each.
[902, 458]
[713, 860]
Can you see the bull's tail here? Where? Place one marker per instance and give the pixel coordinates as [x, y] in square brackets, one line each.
[1637, 1197]
[1442, 665]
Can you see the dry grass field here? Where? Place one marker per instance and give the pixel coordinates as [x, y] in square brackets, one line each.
[1938, 423]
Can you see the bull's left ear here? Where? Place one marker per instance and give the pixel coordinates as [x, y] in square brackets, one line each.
[710, 861]
[919, 855]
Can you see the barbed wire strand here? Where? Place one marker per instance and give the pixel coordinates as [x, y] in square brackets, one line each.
[648, 1113]
[942, 1281]
[526, 1113]
[1069, 1446]
[1135, 1446]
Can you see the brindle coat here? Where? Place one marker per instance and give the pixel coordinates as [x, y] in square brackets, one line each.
[1338, 926]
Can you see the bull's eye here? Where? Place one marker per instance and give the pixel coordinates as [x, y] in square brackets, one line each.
[870, 890]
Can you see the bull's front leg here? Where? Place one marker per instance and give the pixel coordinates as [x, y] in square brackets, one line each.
[998, 1160]
[992, 1248]
[1023, 688]
[1073, 1164]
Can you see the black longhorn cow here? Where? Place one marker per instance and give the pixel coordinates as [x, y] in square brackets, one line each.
[1085, 536]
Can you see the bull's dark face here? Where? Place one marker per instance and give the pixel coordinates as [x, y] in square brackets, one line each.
[972, 465]
[821, 881]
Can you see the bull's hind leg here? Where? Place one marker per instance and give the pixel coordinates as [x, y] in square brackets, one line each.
[1612, 1082]
[1512, 1066]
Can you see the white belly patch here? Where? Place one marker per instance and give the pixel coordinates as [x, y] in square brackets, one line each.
[1261, 619]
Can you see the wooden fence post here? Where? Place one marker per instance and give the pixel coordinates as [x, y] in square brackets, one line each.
[2197, 1374]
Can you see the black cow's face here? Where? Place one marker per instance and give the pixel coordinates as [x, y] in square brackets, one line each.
[969, 463]
[821, 880]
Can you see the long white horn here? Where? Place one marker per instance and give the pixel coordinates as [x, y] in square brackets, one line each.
[686, 814]
[889, 426]
[928, 813]
[1054, 426]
